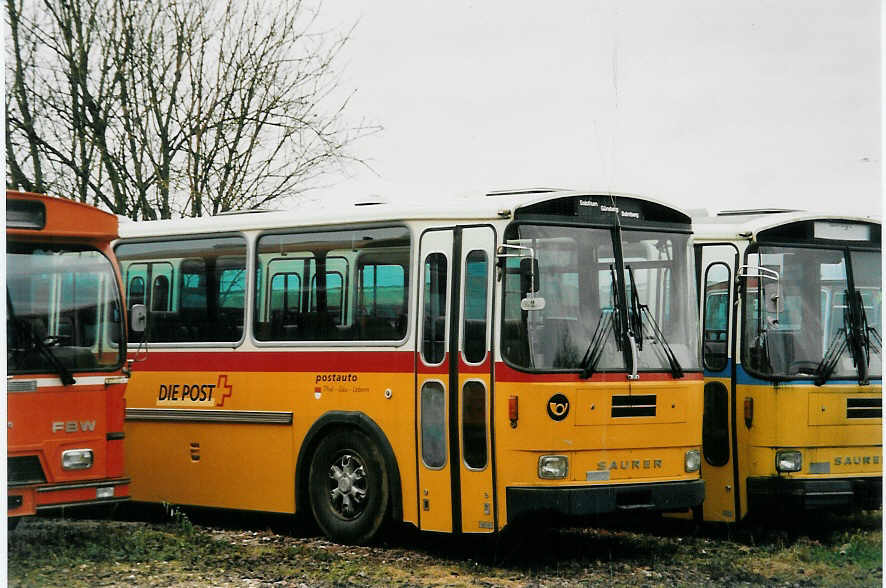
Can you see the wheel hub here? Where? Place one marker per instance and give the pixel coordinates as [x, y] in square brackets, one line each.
[347, 486]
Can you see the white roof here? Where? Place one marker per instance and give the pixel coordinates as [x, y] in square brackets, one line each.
[733, 225]
[473, 207]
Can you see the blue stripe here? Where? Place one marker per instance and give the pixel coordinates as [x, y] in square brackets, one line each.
[726, 372]
[746, 379]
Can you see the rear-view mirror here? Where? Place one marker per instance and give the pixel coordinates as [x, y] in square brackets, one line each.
[528, 275]
[138, 318]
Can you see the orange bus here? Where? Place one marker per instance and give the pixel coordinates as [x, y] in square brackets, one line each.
[791, 305]
[65, 356]
[455, 366]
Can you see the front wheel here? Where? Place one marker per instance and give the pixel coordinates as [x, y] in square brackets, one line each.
[349, 487]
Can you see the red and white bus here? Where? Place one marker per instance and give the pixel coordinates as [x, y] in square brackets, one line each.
[65, 354]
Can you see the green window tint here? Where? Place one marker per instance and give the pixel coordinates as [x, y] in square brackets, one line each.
[285, 292]
[348, 285]
[716, 316]
[433, 348]
[197, 287]
[476, 297]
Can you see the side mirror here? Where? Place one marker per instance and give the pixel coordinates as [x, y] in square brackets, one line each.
[772, 304]
[138, 318]
[529, 285]
[529, 275]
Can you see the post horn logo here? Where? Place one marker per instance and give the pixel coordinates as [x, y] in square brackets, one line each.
[558, 407]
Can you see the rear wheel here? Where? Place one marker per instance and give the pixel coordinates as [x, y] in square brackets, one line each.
[348, 487]
[12, 523]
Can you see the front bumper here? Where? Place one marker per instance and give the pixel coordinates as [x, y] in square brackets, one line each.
[27, 500]
[804, 494]
[579, 501]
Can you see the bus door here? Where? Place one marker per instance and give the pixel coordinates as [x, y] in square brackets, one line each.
[453, 390]
[717, 264]
[474, 380]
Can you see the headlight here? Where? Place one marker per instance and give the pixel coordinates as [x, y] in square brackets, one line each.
[692, 460]
[77, 459]
[788, 461]
[104, 492]
[553, 467]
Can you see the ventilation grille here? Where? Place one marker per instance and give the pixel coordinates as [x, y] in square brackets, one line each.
[640, 405]
[24, 470]
[864, 408]
[21, 386]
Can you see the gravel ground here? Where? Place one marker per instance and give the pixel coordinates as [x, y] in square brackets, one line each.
[202, 548]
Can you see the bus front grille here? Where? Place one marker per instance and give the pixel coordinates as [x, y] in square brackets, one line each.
[24, 470]
[640, 405]
[864, 408]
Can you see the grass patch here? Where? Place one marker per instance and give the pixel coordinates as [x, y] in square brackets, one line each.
[864, 550]
[84, 542]
[173, 551]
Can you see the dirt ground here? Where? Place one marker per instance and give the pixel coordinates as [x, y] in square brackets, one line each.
[218, 548]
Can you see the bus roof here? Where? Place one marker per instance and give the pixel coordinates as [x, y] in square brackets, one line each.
[474, 207]
[32, 216]
[747, 224]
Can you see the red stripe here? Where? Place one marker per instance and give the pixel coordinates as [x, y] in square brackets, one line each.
[159, 360]
[443, 368]
[276, 361]
[482, 368]
[505, 373]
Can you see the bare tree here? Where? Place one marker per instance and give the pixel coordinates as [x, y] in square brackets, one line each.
[163, 108]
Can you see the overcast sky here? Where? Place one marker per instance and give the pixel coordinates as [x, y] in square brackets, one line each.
[704, 104]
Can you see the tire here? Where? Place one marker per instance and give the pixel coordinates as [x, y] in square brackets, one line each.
[348, 487]
[12, 523]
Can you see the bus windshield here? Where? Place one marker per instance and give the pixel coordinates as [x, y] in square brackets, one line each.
[579, 278]
[63, 309]
[803, 316]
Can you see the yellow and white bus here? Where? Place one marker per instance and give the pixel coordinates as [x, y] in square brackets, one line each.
[454, 366]
[791, 308]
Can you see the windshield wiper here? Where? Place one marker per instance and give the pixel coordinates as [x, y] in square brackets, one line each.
[862, 339]
[33, 339]
[876, 342]
[829, 362]
[605, 326]
[595, 346]
[638, 311]
[846, 336]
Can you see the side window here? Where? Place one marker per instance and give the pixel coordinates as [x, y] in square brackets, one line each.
[136, 294]
[136, 280]
[433, 348]
[196, 287]
[716, 316]
[348, 285]
[715, 424]
[336, 270]
[474, 326]
[285, 293]
[160, 293]
[433, 424]
[381, 301]
[232, 286]
[161, 277]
